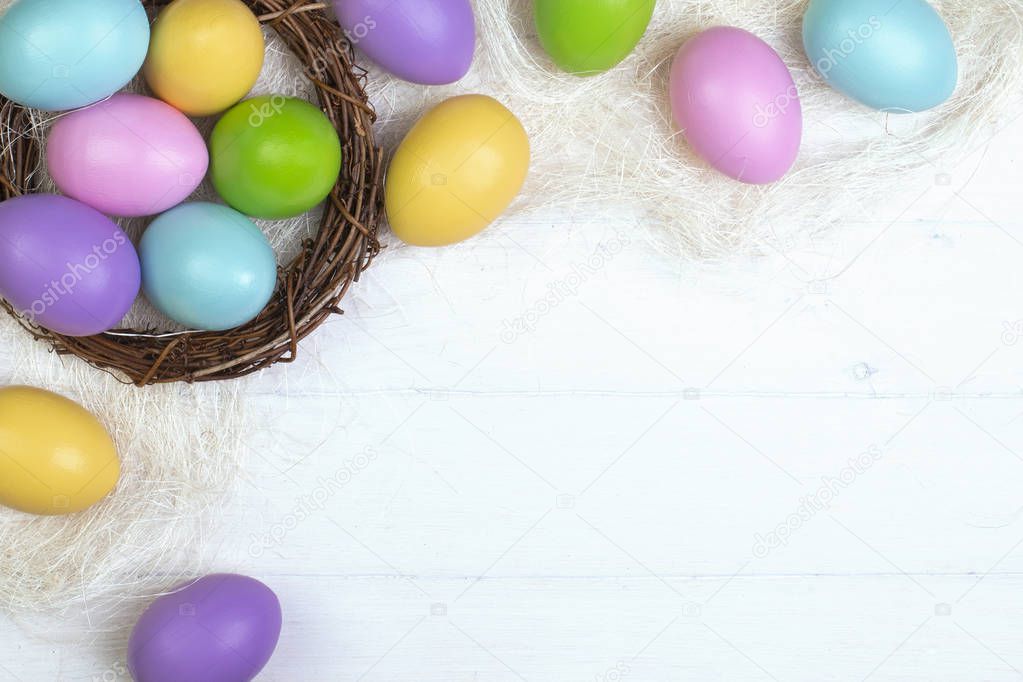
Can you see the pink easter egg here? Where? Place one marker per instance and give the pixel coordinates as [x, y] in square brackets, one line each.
[737, 105]
[127, 156]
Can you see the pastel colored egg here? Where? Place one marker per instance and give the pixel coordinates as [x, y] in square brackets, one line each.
[65, 266]
[64, 54]
[207, 267]
[737, 105]
[892, 56]
[127, 156]
[56, 456]
[221, 628]
[588, 37]
[204, 55]
[456, 171]
[430, 42]
[274, 157]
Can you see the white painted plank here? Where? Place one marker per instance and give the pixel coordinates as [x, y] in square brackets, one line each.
[808, 628]
[583, 501]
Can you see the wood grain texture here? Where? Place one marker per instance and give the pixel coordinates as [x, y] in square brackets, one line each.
[804, 466]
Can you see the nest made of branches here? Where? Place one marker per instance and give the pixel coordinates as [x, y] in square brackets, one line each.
[310, 287]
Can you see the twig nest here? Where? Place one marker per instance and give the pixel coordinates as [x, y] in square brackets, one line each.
[310, 287]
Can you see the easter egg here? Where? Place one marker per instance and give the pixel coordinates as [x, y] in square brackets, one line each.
[204, 55]
[587, 37]
[65, 266]
[127, 156]
[64, 54]
[55, 456]
[274, 157]
[430, 42]
[737, 105]
[221, 628]
[456, 171]
[206, 266]
[892, 56]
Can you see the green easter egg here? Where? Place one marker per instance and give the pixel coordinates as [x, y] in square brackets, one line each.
[274, 157]
[587, 37]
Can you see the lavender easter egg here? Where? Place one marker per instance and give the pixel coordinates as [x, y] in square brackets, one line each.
[65, 266]
[221, 628]
[128, 156]
[736, 103]
[430, 42]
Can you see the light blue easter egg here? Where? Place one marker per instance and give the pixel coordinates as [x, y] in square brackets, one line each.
[892, 55]
[64, 54]
[207, 266]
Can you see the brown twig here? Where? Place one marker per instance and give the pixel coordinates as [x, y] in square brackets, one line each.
[310, 287]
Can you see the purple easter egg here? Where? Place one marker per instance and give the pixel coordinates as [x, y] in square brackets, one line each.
[221, 628]
[430, 42]
[735, 101]
[65, 266]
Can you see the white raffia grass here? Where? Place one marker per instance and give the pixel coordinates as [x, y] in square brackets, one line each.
[597, 142]
[609, 141]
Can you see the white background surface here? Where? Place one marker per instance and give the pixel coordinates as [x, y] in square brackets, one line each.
[582, 501]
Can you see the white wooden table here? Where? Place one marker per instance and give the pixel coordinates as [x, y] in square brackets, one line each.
[803, 467]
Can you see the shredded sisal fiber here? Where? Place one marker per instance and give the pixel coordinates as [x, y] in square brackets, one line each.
[597, 142]
[609, 141]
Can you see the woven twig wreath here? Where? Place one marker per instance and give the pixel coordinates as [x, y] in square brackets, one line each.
[310, 288]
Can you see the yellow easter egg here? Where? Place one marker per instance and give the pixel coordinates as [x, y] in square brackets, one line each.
[55, 457]
[456, 171]
[204, 55]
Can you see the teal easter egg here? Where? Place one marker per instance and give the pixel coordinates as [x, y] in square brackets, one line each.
[892, 56]
[207, 267]
[64, 54]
